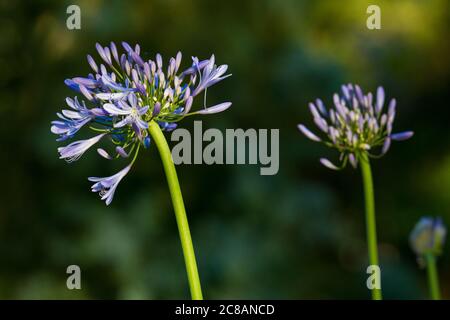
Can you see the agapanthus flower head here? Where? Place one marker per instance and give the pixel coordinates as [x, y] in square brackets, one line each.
[428, 236]
[123, 94]
[358, 124]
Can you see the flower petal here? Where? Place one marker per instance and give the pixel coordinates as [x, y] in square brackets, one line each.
[111, 96]
[123, 122]
[353, 160]
[156, 109]
[188, 105]
[121, 152]
[380, 99]
[386, 145]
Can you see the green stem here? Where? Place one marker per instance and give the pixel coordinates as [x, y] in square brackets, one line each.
[370, 217]
[433, 280]
[180, 212]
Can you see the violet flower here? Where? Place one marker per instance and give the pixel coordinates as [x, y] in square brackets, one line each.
[427, 236]
[357, 124]
[427, 241]
[107, 186]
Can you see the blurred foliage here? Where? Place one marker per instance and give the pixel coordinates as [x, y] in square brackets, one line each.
[298, 234]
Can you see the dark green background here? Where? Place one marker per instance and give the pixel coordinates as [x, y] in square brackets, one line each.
[298, 234]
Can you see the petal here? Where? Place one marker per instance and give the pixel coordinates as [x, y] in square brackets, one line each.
[103, 153]
[76, 149]
[380, 99]
[123, 122]
[121, 152]
[126, 46]
[111, 96]
[114, 110]
[107, 81]
[55, 129]
[98, 112]
[178, 59]
[86, 92]
[391, 108]
[308, 133]
[147, 71]
[137, 58]
[359, 94]
[114, 51]
[322, 124]
[71, 114]
[313, 110]
[143, 110]
[345, 90]
[321, 107]
[132, 100]
[159, 61]
[353, 160]
[156, 109]
[386, 145]
[72, 85]
[87, 82]
[147, 142]
[141, 124]
[220, 70]
[215, 109]
[188, 105]
[70, 102]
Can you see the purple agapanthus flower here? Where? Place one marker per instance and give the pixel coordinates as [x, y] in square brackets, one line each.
[123, 95]
[357, 124]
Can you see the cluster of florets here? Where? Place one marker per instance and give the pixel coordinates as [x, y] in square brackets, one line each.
[123, 95]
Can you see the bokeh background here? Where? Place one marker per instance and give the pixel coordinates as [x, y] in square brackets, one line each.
[297, 235]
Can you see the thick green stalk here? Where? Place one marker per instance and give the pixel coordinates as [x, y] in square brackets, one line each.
[370, 217]
[433, 280]
[180, 212]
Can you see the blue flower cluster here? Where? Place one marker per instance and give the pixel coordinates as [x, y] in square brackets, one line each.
[123, 95]
[357, 124]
